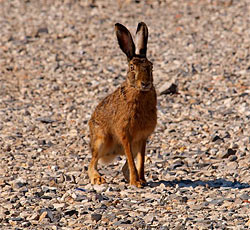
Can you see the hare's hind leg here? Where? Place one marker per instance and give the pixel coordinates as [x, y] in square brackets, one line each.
[125, 171]
[96, 148]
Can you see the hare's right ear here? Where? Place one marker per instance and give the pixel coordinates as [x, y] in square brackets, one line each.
[141, 39]
[125, 40]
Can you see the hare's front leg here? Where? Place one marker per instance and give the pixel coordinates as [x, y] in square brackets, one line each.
[140, 162]
[139, 153]
[133, 174]
[94, 176]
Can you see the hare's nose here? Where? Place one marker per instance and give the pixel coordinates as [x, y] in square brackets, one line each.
[145, 84]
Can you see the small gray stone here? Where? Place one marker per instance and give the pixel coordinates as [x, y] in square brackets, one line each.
[96, 217]
[228, 153]
[46, 120]
[245, 196]
[149, 218]
[232, 158]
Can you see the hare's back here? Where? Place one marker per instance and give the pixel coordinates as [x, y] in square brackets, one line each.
[106, 110]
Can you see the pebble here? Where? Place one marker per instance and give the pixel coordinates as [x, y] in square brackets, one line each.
[99, 188]
[245, 196]
[96, 217]
[58, 205]
[232, 158]
[42, 216]
[149, 218]
[227, 154]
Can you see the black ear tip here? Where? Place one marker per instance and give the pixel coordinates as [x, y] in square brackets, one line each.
[141, 24]
[117, 25]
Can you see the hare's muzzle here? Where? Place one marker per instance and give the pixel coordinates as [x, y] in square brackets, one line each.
[145, 86]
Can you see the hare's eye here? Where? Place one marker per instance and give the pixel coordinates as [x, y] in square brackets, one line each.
[131, 67]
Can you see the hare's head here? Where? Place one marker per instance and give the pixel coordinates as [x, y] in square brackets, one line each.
[139, 67]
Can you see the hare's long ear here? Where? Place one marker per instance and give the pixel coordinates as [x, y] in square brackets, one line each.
[125, 40]
[141, 39]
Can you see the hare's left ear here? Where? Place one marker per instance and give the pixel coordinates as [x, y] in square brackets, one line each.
[125, 40]
[141, 39]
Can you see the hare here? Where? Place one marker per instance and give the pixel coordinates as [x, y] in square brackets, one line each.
[123, 121]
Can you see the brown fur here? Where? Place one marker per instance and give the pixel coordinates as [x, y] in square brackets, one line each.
[123, 121]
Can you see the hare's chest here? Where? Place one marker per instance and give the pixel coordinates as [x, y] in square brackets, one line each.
[142, 128]
[139, 135]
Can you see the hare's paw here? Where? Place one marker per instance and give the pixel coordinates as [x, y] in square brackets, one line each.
[97, 179]
[143, 182]
[138, 184]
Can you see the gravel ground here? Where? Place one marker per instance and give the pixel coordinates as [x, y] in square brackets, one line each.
[58, 59]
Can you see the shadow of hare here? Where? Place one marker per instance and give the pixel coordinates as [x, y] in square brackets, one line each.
[218, 183]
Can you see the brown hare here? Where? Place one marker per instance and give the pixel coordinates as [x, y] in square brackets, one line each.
[123, 121]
